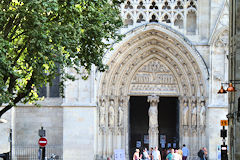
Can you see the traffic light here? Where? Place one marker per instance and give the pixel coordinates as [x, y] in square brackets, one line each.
[5, 156]
[223, 133]
[224, 155]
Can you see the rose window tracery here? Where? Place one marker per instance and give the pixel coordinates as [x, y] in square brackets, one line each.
[178, 14]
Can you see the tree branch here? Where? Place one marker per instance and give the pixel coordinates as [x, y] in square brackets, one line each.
[16, 23]
[19, 97]
[8, 27]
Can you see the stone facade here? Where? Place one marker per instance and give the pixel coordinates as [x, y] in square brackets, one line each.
[171, 48]
[234, 76]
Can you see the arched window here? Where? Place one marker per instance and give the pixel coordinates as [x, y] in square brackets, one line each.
[191, 22]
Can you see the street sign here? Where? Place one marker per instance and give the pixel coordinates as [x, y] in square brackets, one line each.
[224, 123]
[42, 142]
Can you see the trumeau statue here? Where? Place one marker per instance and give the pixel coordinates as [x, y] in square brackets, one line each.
[153, 117]
[111, 114]
[202, 113]
[185, 112]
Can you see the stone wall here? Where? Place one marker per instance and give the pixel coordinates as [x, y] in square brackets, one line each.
[79, 133]
[4, 132]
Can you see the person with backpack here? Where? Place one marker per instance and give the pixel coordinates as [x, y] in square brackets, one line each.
[201, 154]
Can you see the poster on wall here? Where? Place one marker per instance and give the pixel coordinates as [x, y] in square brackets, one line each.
[138, 144]
[163, 138]
[119, 154]
[162, 145]
[174, 145]
[169, 145]
[146, 139]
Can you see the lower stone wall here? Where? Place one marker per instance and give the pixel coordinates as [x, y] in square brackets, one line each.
[4, 132]
[79, 133]
[28, 120]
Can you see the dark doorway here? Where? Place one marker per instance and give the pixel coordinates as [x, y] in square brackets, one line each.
[138, 125]
[168, 120]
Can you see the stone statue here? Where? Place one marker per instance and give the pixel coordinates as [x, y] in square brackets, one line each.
[120, 116]
[185, 113]
[153, 111]
[111, 114]
[194, 114]
[102, 112]
[153, 117]
[202, 115]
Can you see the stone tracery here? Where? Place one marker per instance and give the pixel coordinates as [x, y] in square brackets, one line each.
[173, 13]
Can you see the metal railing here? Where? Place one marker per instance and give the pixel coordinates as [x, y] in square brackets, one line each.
[31, 152]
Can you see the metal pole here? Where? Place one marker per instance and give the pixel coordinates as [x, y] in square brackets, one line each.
[10, 139]
[43, 153]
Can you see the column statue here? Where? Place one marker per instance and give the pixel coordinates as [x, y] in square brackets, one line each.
[102, 112]
[185, 112]
[194, 113]
[111, 114]
[120, 112]
[202, 113]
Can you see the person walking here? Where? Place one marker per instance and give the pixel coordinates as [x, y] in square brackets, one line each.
[185, 152]
[156, 154]
[145, 155]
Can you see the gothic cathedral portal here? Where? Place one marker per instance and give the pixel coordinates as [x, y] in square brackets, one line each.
[155, 63]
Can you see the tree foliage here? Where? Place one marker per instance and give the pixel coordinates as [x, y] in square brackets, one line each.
[37, 37]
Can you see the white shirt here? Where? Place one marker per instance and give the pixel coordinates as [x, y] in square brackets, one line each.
[176, 156]
[156, 154]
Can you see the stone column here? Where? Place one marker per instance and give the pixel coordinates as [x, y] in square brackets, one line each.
[153, 120]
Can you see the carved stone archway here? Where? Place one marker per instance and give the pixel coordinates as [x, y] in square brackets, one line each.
[151, 61]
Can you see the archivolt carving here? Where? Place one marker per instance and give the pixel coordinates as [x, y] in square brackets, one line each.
[148, 49]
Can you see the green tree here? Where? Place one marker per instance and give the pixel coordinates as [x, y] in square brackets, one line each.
[38, 37]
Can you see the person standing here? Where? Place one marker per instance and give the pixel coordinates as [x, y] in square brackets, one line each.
[136, 155]
[205, 153]
[156, 154]
[201, 154]
[145, 155]
[185, 152]
[150, 154]
[170, 155]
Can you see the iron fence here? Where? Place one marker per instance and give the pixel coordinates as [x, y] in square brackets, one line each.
[21, 152]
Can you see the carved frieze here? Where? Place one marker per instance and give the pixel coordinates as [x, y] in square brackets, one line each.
[154, 77]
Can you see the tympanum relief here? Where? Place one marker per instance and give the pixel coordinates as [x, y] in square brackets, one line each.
[154, 77]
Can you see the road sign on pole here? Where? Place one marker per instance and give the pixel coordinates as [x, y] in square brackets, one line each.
[224, 123]
[42, 142]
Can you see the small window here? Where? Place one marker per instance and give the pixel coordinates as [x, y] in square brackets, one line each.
[51, 90]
